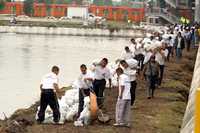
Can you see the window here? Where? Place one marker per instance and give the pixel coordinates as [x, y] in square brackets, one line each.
[136, 13]
[105, 12]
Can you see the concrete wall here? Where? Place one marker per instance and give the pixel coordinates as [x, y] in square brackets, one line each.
[188, 121]
[71, 31]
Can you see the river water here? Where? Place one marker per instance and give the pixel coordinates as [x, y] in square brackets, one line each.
[24, 59]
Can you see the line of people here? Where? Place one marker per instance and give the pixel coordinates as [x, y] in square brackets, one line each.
[145, 57]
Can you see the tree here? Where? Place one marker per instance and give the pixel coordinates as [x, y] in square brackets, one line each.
[108, 2]
[28, 7]
[2, 4]
[125, 3]
[98, 2]
[79, 2]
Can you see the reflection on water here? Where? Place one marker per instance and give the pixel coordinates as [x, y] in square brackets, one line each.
[25, 58]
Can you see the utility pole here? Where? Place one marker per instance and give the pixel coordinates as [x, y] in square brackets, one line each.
[197, 10]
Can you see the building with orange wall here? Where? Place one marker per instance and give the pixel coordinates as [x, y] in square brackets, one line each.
[120, 13]
[13, 8]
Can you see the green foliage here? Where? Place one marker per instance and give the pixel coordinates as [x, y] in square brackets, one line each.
[78, 1]
[103, 2]
[162, 4]
[28, 7]
[108, 2]
[68, 1]
[60, 1]
[125, 2]
[98, 2]
[2, 4]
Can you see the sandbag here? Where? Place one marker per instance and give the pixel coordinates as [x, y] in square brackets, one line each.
[132, 63]
[93, 105]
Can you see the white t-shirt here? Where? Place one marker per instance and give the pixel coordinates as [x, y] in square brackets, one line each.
[132, 47]
[126, 56]
[131, 73]
[125, 81]
[179, 42]
[171, 42]
[132, 63]
[85, 84]
[159, 58]
[101, 73]
[147, 56]
[139, 51]
[49, 80]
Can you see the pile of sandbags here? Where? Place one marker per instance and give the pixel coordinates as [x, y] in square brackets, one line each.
[68, 106]
[84, 118]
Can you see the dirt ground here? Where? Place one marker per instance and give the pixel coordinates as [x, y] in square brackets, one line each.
[163, 114]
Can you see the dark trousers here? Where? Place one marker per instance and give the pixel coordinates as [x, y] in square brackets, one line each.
[48, 97]
[178, 54]
[188, 45]
[140, 59]
[161, 74]
[81, 99]
[133, 91]
[99, 87]
[151, 82]
[170, 50]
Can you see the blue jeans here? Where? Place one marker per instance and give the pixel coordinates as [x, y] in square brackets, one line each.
[178, 53]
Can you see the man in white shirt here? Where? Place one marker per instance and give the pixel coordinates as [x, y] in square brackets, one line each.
[124, 99]
[48, 87]
[131, 73]
[139, 56]
[188, 39]
[170, 45]
[160, 58]
[127, 54]
[179, 46]
[101, 74]
[85, 84]
[133, 45]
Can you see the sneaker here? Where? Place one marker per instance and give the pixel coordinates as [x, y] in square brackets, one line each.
[39, 121]
[116, 124]
[125, 124]
[133, 107]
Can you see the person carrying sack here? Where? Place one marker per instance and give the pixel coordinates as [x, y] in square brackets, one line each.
[84, 84]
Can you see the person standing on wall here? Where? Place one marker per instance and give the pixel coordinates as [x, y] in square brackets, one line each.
[48, 87]
[101, 74]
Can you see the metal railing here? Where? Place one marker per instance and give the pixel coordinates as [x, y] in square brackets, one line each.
[165, 14]
[171, 2]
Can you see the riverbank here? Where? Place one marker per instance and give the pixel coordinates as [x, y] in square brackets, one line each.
[71, 31]
[160, 115]
[70, 27]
